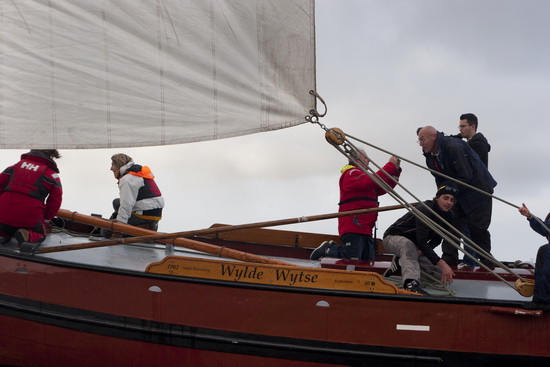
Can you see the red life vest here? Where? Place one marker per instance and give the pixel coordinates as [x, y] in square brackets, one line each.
[27, 178]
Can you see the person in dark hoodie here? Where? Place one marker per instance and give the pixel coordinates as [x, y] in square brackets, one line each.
[468, 130]
[30, 195]
[454, 158]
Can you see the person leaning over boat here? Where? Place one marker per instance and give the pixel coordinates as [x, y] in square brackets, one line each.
[358, 191]
[455, 158]
[30, 195]
[542, 261]
[413, 241]
[141, 202]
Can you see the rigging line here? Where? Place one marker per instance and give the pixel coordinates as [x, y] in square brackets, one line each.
[353, 155]
[436, 172]
[443, 288]
[447, 177]
[398, 198]
[336, 137]
[443, 232]
[428, 221]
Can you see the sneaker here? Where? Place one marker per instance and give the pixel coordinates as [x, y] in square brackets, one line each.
[394, 267]
[21, 235]
[320, 251]
[414, 286]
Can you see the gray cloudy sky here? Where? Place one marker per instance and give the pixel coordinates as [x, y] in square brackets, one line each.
[384, 68]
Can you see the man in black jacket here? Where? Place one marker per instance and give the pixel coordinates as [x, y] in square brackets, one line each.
[454, 158]
[468, 126]
[413, 241]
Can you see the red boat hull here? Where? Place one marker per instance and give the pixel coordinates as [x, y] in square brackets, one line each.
[93, 316]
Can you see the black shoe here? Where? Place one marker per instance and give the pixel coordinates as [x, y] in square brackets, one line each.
[21, 235]
[4, 240]
[394, 267]
[29, 247]
[320, 251]
[414, 286]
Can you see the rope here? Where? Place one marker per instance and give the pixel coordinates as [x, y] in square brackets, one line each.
[451, 179]
[436, 284]
[56, 229]
[438, 173]
[436, 227]
[346, 147]
[475, 246]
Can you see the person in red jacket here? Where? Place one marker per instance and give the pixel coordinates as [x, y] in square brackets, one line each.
[30, 195]
[358, 191]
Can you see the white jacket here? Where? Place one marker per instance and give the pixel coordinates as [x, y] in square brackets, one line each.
[129, 186]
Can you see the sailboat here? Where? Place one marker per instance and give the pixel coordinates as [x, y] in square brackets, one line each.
[115, 74]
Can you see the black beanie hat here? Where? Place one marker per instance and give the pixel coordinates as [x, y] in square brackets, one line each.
[447, 188]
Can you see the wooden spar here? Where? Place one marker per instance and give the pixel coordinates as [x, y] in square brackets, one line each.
[183, 242]
[164, 237]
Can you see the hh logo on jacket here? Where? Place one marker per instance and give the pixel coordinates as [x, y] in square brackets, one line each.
[29, 166]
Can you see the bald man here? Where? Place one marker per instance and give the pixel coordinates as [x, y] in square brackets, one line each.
[454, 158]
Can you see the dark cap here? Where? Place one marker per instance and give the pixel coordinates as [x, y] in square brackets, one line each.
[446, 188]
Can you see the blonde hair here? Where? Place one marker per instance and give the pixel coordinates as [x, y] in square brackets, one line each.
[121, 159]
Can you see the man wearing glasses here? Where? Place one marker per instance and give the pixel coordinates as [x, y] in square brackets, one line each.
[468, 130]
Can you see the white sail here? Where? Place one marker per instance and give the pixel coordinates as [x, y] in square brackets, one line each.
[117, 73]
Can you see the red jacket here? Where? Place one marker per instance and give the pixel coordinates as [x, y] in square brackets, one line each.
[358, 191]
[30, 191]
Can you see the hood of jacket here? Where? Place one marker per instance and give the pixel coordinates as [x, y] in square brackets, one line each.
[479, 138]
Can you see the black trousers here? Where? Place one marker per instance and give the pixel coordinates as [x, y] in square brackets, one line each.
[542, 275]
[477, 223]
